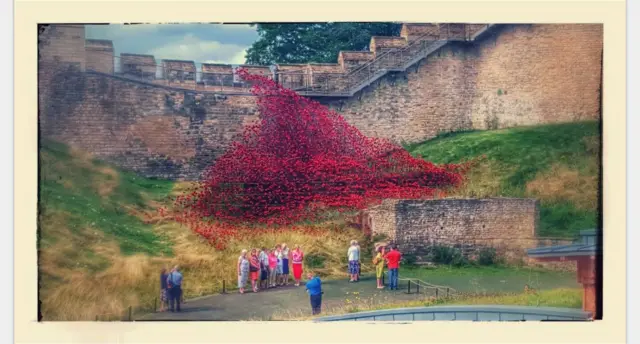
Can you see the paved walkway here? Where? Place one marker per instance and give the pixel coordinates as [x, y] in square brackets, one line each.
[287, 299]
[294, 301]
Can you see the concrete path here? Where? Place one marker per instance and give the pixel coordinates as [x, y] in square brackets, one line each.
[294, 301]
[282, 300]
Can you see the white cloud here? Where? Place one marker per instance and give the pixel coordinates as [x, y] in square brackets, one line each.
[195, 49]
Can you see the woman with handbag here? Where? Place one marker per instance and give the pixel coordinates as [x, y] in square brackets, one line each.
[254, 268]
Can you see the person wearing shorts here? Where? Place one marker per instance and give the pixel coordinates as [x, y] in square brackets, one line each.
[254, 269]
[354, 261]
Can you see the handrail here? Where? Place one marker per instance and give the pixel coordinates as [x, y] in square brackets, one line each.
[465, 313]
[389, 60]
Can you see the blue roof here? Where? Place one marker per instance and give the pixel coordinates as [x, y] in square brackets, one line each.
[587, 246]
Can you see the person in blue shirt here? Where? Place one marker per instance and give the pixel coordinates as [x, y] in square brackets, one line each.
[174, 285]
[314, 288]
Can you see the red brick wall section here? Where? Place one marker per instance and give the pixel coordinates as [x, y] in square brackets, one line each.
[152, 130]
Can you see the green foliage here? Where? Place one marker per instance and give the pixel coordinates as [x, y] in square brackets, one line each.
[447, 255]
[487, 256]
[70, 185]
[314, 261]
[409, 260]
[517, 156]
[313, 42]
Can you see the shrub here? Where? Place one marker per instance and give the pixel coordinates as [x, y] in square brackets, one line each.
[487, 256]
[409, 260]
[447, 255]
[314, 261]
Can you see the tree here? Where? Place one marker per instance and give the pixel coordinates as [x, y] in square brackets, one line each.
[313, 42]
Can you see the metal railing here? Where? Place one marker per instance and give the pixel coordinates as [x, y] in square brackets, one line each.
[304, 81]
[466, 313]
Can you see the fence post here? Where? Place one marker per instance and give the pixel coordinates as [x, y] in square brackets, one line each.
[409, 287]
[436, 293]
[224, 290]
[155, 304]
[129, 313]
[447, 292]
[418, 288]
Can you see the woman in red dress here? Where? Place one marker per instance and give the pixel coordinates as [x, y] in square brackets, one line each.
[296, 259]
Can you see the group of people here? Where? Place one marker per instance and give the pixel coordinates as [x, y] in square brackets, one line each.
[269, 268]
[390, 256]
[170, 289]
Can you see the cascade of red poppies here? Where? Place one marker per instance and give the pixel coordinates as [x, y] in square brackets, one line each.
[300, 160]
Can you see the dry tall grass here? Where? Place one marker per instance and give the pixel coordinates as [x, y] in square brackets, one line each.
[84, 274]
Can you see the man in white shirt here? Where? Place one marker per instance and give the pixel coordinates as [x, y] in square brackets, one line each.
[354, 260]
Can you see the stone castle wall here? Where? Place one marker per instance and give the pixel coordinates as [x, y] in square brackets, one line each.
[520, 75]
[155, 131]
[516, 75]
[506, 224]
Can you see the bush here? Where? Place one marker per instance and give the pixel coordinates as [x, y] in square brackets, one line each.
[487, 256]
[448, 256]
[314, 261]
[409, 260]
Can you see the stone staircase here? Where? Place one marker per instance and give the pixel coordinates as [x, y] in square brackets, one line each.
[354, 71]
[386, 54]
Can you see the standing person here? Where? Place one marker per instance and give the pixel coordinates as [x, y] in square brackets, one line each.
[279, 265]
[393, 263]
[378, 262]
[273, 266]
[285, 264]
[243, 270]
[264, 268]
[359, 264]
[174, 286]
[164, 292]
[254, 269]
[297, 258]
[314, 288]
[353, 253]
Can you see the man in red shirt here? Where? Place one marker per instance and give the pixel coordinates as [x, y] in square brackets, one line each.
[393, 262]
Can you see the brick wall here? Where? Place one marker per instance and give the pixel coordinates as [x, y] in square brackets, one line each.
[155, 131]
[506, 224]
[519, 75]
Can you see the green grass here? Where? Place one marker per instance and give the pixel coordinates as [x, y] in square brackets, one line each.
[560, 297]
[70, 186]
[491, 278]
[514, 158]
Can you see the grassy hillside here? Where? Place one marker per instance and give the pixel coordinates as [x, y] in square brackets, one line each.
[102, 244]
[558, 164]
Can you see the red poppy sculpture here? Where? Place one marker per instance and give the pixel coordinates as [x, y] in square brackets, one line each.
[301, 160]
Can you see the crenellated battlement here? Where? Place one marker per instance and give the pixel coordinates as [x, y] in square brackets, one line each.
[352, 71]
[172, 118]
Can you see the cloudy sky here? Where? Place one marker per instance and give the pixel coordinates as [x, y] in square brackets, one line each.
[210, 43]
